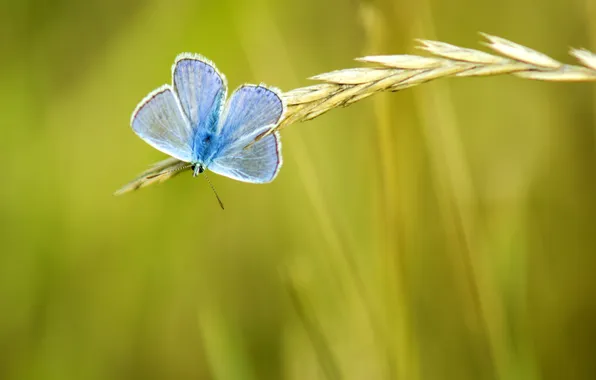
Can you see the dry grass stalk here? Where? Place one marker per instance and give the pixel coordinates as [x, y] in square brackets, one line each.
[398, 72]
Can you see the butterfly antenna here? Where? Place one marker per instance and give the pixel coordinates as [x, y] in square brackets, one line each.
[214, 192]
[168, 172]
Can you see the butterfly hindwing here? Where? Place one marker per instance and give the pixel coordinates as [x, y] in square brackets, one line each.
[159, 121]
[258, 163]
[201, 89]
[250, 112]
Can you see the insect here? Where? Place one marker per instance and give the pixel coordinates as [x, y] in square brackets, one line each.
[192, 122]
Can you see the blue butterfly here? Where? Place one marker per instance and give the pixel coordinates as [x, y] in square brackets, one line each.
[192, 122]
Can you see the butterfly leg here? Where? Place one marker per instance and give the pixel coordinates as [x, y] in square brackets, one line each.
[197, 169]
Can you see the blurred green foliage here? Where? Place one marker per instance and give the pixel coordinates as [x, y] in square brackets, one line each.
[443, 232]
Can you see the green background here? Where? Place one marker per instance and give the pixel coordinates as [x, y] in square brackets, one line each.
[447, 231]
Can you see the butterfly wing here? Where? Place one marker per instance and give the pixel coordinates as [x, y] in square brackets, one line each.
[251, 112]
[259, 163]
[201, 89]
[159, 120]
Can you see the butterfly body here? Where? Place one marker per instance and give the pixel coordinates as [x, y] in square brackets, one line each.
[192, 122]
[206, 145]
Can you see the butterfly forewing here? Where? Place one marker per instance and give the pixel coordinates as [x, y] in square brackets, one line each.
[159, 121]
[249, 109]
[200, 88]
[250, 112]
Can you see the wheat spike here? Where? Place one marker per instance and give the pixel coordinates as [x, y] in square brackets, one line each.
[397, 72]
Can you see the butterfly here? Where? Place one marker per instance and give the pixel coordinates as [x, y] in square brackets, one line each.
[192, 122]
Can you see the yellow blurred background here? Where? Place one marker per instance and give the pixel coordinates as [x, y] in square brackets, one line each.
[443, 232]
